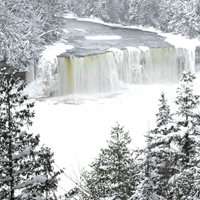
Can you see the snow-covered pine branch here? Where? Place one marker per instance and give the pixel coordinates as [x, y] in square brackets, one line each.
[26, 167]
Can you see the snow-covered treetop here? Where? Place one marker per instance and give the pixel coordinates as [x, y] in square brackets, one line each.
[24, 27]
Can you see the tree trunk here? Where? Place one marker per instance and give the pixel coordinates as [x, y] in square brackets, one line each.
[10, 150]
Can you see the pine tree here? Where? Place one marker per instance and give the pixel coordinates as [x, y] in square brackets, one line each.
[26, 26]
[185, 182]
[188, 117]
[114, 173]
[26, 170]
[163, 157]
[45, 179]
[164, 116]
[146, 190]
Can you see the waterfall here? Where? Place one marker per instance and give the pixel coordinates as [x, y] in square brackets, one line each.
[111, 70]
[90, 74]
[197, 58]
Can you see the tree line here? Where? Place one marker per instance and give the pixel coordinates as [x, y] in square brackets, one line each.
[167, 168]
[181, 16]
[26, 26]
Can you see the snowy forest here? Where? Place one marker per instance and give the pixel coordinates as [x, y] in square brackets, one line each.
[166, 167]
[27, 26]
[182, 16]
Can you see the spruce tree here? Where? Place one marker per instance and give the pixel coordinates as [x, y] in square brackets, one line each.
[147, 189]
[144, 190]
[26, 170]
[163, 157]
[188, 120]
[114, 172]
[185, 182]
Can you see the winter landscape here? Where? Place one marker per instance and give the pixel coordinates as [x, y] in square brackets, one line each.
[99, 100]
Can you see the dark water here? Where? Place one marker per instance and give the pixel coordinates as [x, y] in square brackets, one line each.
[77, 30]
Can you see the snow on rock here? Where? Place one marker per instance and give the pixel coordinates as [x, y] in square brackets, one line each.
[86, 19]
[45, 83]
[50, 53]
[180, 41]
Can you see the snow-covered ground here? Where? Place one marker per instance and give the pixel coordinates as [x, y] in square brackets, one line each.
[76, 127]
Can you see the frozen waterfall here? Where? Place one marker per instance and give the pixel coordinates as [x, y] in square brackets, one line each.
[110, 70]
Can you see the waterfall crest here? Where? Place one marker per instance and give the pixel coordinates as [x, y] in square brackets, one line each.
[113, 69]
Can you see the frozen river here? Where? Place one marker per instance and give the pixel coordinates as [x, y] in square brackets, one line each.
[88, 37]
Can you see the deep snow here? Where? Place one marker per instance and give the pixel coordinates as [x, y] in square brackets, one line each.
[76, 127]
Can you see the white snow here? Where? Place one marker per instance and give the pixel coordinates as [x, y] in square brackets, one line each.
[52, 51]
[103, 37]
[144, 48]
[24, 153]
[77, 131]
[80, 30]
[180, 41]
[46, 70]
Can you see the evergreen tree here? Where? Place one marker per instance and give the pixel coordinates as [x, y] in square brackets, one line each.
[114, 173]
[26, 170]
[146, 190]
[185, 182]
[26, 26]
[164, 116]
[162, 14]
[188, 117]
[163, 157]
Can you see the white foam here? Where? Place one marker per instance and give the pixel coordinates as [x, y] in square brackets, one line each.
[103, 37]
[80, 30]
